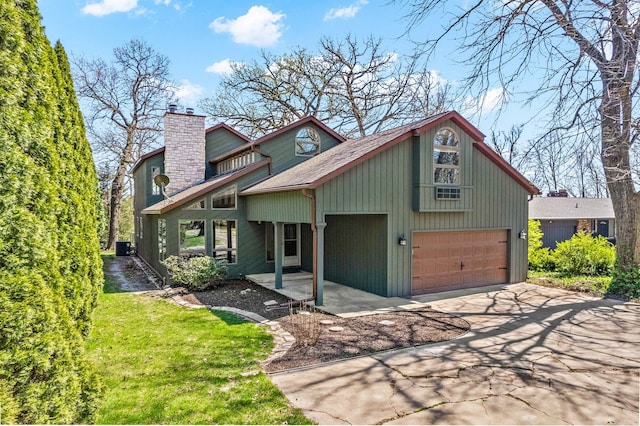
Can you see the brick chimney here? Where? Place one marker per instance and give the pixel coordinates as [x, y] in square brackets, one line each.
[184, 154]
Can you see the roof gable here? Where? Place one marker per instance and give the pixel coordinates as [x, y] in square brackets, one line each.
[329, 164]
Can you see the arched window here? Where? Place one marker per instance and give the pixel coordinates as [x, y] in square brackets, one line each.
[307, 142]
[446, 157]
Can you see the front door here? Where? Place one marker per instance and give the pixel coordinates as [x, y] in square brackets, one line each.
[291, 244]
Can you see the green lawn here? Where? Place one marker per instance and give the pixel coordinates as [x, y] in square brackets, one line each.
[161, 363]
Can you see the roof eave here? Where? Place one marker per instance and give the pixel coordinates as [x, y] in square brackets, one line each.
[227, 179]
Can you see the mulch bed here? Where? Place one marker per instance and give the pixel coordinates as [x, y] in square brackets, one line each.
[364, 335]
[315, 343]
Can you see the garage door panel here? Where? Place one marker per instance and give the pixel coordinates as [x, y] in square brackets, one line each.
[459, 259]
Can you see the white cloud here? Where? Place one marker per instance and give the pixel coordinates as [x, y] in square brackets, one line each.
[222, 67]
[106, 7]
[259, 27]
[188, 93]
[486, 104]
[347, 12]
[165, 2]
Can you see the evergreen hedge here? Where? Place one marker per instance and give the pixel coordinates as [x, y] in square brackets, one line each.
[50, 266]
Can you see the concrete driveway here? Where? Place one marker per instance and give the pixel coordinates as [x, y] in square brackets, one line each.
[534, 355]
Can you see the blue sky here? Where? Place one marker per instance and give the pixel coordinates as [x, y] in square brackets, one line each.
[201, 37]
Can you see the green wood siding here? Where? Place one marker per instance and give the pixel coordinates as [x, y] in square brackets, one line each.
[384, 184]
[422, 165]
[143, 197]
[250, 236]
[281, 148]
[289, 207]
[356, 251]
[217, 143]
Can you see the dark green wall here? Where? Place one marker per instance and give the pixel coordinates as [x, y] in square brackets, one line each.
[143, 198]
[384, 184]
[217, 143]
[281, 148]
[356, 251]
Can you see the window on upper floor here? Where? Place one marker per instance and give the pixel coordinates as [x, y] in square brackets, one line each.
[225, 199]
[155, 189]
[307, 142]
[446, 157]
[198, 205]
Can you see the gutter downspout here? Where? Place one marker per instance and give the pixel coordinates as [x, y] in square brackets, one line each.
[314, 230]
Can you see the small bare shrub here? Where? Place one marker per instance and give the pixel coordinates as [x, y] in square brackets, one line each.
[305, 323]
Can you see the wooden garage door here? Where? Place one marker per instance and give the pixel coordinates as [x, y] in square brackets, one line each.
[452, 260]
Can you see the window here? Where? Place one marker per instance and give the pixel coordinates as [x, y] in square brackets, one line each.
[192, 238]
[140, 226]
[198, 205]
[225, 243]
[269, 241]
[307, 142]
[225, 199]
[162, 239]
[446, 157]
[155, 189]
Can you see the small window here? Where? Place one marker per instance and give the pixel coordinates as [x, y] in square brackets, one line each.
[447, 193]
[225, 199]
[446, 157]
[307, 142]
[225, 243]
[192, 238]
[198, 205]
[162, 239]
[155, 189]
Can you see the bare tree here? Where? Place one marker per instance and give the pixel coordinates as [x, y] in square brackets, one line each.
[356, 87]
[508, 145]
[127, 99]
[586, 54]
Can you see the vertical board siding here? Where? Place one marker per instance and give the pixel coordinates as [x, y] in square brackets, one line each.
[557, 231]
[251, 256]
[356, 253]
[290, 207]
[497, 202]
[281, 148]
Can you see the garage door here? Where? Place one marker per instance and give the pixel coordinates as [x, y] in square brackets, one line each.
[452, 260]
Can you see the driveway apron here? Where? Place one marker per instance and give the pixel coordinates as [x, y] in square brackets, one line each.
[534, 355]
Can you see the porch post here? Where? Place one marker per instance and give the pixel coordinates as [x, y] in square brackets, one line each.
[277, 242]
[320, 263]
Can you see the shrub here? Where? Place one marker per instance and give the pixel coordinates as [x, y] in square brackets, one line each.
[50, 266]
[540, 258]
[196, 273]
[584, 255]
[625, 281]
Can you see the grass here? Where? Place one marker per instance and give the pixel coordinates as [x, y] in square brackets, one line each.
[165, 364]
[597, 285]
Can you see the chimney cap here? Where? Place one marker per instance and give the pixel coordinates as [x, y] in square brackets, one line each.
[173, 107]
[190, 111]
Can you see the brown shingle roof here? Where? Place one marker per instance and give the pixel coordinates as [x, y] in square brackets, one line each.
[194, 192]
[329, 164]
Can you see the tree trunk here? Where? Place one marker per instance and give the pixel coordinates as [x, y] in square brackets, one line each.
[615, 112]
[117, 189]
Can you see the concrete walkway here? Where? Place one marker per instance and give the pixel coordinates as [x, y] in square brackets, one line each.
[534, 355]
[338, 299]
